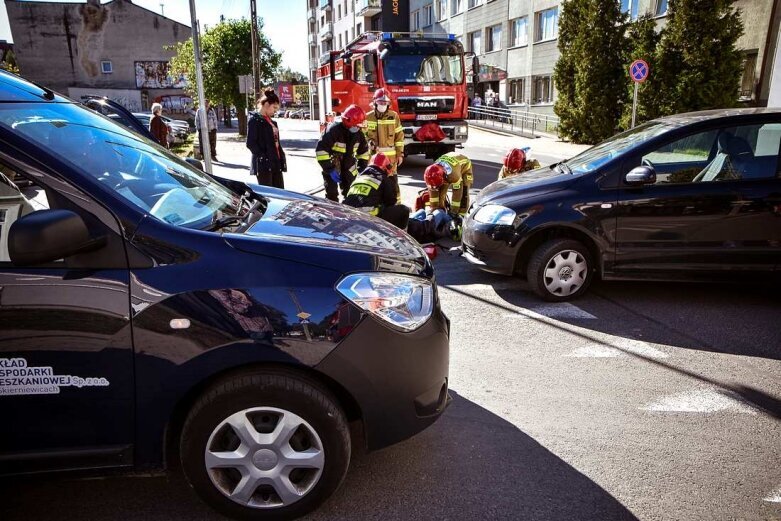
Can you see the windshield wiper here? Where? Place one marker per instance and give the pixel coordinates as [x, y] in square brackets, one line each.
[562, 167]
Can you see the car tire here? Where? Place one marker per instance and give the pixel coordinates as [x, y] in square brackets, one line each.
[560, 270]
[224, 418]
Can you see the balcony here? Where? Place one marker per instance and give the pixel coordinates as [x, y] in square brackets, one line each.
[368, 7]
[325, 5]
[311, 14]
[326, 31]
[312, 39]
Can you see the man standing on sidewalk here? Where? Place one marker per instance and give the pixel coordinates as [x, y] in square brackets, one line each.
[386, 135]
[211, 122]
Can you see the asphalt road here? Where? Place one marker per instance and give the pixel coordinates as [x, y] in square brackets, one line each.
[638, 401]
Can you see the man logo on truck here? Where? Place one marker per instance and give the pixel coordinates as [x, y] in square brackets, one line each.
[427, 104]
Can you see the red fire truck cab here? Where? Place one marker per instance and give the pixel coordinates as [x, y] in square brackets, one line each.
[424, 76]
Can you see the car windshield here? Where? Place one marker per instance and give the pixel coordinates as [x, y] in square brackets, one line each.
[598, 155]
[137, 169]
[438, 69]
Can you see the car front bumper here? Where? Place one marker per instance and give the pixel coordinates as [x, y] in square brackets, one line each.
[398, 380]
[488, 248]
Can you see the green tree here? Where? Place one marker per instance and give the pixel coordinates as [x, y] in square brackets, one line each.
[9, 62]
[226, 51]
[698, 62]
[642, 44]
[590, 72]
[287, 74]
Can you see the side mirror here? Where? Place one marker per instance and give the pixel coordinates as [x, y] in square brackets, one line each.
[48, 235]
[641, 175]
[194, 162]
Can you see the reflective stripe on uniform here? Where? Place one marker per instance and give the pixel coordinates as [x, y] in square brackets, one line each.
[399, 129]
[321, 155]
[388, 151]
[371, 125]
[387, 121]
[457, 186]
[363, 156]
[399, 144]
[339, 149]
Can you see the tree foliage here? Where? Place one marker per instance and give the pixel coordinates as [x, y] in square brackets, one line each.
[226, 51]
[9, 62]
[288, 74]
[590, 73]
[698, 61]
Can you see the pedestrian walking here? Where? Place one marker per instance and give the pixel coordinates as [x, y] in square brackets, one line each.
[386, 135]
[343, 151]
[374, 192]
[157, 126]
[268, 158]
[211, 123]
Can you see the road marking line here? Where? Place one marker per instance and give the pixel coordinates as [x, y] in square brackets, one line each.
[701, 400]
[774, 496]
[562, 310]
[475, 288]
[616, 348]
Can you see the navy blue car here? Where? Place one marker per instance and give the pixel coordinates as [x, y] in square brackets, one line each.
[154, 316]
[693, 196]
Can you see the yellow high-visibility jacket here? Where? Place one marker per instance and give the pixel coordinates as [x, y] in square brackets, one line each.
[387, 134]
[459, 175]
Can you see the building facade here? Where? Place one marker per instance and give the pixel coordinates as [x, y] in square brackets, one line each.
[516, 42]
[116, 49]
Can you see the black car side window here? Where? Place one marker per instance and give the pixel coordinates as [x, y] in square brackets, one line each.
[724, 154]
[19, 196]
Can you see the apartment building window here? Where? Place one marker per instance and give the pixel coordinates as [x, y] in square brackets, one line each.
[428, 15]
[415, 20]
[542, 89]
[456, 7]
[494, 40]
[359, 28]
[547, 22]
[441, 9]
[630, 7]
[339, 12]
[107, 68]
[352, 33]
[340, 41]
[520, 31]
[749, 75]
[661, 7]
[474, 42]
[474, 3]
[517, 90]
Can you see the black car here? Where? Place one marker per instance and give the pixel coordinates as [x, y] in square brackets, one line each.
[151, 316]
[691, 196]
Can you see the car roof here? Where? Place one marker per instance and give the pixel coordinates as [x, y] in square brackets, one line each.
[14, 88]
[709, 115]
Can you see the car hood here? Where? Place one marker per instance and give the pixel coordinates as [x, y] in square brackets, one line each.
[330, 235]
[533, 182]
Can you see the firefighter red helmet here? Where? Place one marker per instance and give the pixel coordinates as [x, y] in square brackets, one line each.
[381, 96]
[382, 162]
[515, 159]
[435, 175]
[353, 116]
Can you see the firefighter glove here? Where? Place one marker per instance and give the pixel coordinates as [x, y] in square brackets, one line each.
[335, 177]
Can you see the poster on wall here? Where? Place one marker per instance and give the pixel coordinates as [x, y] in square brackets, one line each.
[301, 94]
[174, 104]
[157, 75]
[285, 91]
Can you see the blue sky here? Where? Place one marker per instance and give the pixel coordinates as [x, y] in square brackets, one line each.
[285, 22]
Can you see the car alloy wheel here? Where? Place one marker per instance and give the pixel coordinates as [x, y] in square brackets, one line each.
[565, 273]
[264, 457]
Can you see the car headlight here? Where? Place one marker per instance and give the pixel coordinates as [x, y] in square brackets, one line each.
[495, 214]
[401, 301]
[463, 129]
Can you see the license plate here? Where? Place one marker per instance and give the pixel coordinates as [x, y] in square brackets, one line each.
[425, 117]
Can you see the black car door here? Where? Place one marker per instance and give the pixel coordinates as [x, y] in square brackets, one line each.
[695, 217]
[66, 357]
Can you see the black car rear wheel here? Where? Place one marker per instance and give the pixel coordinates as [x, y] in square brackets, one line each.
[560, 269]
[265, 446]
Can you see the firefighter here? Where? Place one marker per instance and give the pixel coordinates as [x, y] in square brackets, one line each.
[450, 170]
[385, 133]
[341, 146]
[516, 162]
[375, 193]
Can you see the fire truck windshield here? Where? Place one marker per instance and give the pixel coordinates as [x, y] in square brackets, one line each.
[423, 69]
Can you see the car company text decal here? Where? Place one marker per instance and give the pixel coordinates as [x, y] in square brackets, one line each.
[16, 378]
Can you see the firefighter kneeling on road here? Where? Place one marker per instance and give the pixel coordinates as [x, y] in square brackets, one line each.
[385, 134]
[374, 193]
[341, 146]
[516, 162]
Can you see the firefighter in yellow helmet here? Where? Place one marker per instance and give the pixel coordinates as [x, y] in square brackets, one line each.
[385, 134]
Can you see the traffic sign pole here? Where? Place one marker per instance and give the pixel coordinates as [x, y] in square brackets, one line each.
[638, 72]
[634, 106]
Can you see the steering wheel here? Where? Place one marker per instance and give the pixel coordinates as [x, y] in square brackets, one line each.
[646, 162]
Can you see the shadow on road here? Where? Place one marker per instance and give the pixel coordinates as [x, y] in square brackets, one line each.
[471, 464]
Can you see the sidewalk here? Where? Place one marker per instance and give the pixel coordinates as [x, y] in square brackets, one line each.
[298, 140]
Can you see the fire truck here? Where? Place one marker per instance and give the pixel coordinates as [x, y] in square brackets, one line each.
[423, 75]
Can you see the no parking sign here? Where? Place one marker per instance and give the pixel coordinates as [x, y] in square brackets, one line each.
[638, 71]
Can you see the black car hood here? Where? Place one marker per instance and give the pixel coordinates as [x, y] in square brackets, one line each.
[534, 182]
[326, 234]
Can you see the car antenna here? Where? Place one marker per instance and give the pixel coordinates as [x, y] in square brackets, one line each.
[47, 92]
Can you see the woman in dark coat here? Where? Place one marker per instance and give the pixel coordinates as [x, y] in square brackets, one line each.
[268, 158]
[157, 126]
